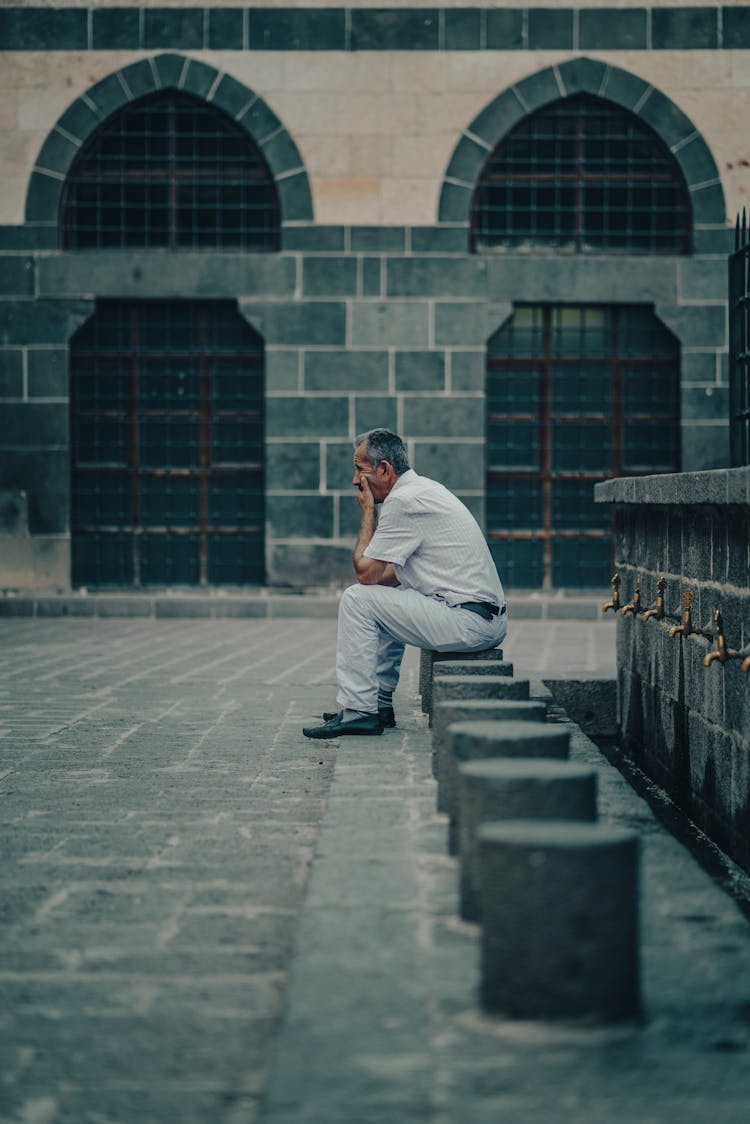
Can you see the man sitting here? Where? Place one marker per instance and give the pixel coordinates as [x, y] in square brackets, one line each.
[425, 577]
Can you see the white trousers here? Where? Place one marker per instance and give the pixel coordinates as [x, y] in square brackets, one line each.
[377, 621]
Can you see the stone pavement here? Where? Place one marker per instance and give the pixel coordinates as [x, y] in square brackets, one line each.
[207, 919]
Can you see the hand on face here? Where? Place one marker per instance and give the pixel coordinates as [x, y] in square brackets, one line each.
[364, 495]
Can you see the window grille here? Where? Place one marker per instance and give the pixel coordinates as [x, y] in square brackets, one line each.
[170, 172]
[585, 176]
[167, 446]
[739, 346]
[575, 395]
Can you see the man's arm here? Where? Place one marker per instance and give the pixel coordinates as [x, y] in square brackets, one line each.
[369, 571]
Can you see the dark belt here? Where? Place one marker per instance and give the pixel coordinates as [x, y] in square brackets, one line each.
[483, 609]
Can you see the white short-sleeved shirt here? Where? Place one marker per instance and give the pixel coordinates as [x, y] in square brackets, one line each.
[435, 543]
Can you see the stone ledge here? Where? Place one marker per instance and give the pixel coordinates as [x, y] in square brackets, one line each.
[681, 489]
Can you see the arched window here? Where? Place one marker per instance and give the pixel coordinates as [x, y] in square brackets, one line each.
[166, 418]
[170, 171]
[586, 176]
[576, 394]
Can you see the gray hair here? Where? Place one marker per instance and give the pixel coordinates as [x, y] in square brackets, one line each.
[383, 445]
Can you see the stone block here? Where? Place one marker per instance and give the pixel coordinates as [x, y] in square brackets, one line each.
[79, 119]
[504, 29]
[45, 478]
[443, 417]
[225, 29]
[16, 276]
[116, 29]
[329, 276]
[390, 29]
[43, 29]
[702, 279]
[467, 323]
[29, 237]
[295, 200]
[436, 277]
[47, 372]
[684, 29]
[346, 370]
[306, 565]
[298, 324]
[30, 425]
[445, 714]
[282, 369]
[11, 372]
[57, 153]
[460, 467]
[468, 370]
[560, 920]
[378, 239]
[550, 28]
[298, 416]
[468, 160]
[455, 203]
[705, 446]
[498, 789]
[372, 278]
[440, 239]
[282, 155]
[314, 239]
[704, 403]
[462, 29]
[624, 88]
[291, 29]
[300, 516]
[698, 166]
[338, 465]
[394, 324]
[602, 29]
[293, 467]
[428, 658]
[420, 370]
[736, 27]
[173, 29]
[375, 412]
[671, 124]
[43, 197]
[257, 117]
[708, 204]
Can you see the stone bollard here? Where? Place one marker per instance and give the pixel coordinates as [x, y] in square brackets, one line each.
[472, 741]
[429, 657]
[512, 789]
[559, 904]
[454, 688]
[468, 710]
[468, 667]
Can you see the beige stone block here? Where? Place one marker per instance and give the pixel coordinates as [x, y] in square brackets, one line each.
[421, 72]
[9, 110]
[315, 114]
[451, 112]
[346, 201]
[328, 156]
[261, 71]
[12, 197]
[469, 71]
[336, 72]
[370, 155]
[385, 114]
[41, 107]
[422, 156]
[413, 202]
[739, 67]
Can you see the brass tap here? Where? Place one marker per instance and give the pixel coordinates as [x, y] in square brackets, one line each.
[635, 605]
[686, 628]
[658, 611]
[614, 604]
[722, 653]
[746, 664]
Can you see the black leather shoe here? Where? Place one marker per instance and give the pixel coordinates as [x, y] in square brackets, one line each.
[366, 726]
[385, 714]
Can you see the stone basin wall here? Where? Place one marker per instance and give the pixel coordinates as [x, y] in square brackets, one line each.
[687, 726]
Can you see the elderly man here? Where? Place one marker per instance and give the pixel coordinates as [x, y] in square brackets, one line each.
[425, 577]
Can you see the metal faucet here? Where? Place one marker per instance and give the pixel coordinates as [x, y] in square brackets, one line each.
[614, 604]
[722, 653]
[635, 605]
[657, 613]
[686, 628]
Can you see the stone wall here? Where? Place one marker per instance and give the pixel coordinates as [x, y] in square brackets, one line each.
[376, 124]
[684, 724]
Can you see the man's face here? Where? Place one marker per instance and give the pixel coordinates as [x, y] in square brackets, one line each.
[377, 478]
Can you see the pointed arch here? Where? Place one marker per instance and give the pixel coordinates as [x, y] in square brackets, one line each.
[610, 83]
[167, 72]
